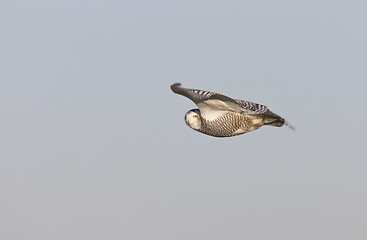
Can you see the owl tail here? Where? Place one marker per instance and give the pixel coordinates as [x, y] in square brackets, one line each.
[272, 119]
[276, 123]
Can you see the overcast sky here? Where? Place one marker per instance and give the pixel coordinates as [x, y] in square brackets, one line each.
[94, 144]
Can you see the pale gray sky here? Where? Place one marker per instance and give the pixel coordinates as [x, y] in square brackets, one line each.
[94, 144]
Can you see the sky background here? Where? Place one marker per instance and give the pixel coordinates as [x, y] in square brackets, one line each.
[94, 144]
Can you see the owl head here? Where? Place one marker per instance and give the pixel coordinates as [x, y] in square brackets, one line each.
[193, 119]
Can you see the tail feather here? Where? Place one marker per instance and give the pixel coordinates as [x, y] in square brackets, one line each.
[275, 120]
[272, 119]
[290, 126]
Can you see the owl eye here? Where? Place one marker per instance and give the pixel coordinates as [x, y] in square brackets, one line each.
[195, 116]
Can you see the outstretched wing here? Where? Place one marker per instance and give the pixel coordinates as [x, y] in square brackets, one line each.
[213, 105]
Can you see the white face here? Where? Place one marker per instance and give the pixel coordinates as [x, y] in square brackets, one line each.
[193, 119]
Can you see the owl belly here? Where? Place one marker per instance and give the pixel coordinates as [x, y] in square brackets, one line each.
[228, 125]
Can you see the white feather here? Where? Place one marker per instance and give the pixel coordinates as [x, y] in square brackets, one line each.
[213, 109]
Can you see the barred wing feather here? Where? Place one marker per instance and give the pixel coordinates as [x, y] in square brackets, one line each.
[213, 105]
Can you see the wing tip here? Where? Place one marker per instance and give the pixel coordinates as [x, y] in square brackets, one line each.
[175, 87]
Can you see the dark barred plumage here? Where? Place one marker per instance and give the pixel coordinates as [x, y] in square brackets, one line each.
[204, 94]
[227, 125]
[233, 124]
[254, 107]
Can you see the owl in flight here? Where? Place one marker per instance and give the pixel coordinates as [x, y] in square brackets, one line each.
[222, 116]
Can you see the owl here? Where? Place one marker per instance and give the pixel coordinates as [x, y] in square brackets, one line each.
[222, 116]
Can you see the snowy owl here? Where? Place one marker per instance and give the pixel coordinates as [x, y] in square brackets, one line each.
[222, 116]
